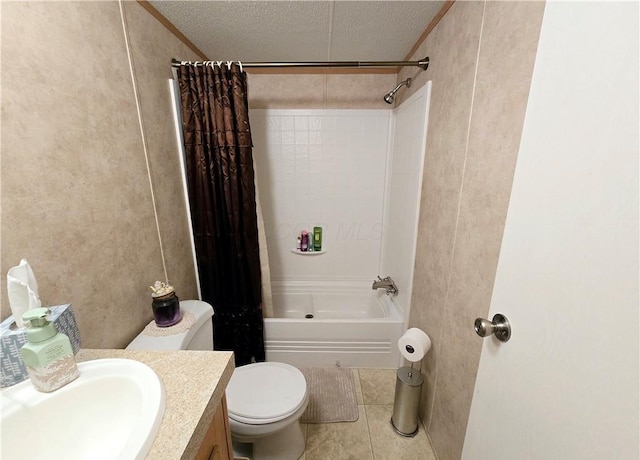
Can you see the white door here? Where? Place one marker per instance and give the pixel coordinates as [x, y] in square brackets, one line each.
[566, 385]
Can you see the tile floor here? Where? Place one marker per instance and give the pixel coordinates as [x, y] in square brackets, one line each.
[371, 436]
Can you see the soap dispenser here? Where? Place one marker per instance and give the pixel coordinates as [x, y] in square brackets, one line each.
[47, 355]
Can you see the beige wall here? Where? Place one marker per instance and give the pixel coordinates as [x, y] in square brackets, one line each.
[315, 91]
[482, 57]
[76, 199]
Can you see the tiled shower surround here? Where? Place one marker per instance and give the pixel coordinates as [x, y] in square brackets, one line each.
[327, 168]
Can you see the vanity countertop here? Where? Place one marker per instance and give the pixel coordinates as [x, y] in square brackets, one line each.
[194, 383]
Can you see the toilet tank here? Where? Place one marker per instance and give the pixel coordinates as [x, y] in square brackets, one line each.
[202, 338]
[198, 337]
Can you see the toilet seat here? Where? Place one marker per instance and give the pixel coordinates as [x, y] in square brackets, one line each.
[262, 393]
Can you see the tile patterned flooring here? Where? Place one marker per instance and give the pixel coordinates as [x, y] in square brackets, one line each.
[371, 436]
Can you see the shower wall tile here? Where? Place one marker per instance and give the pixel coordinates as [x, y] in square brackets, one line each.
[331, 174]
[76, 200]
[403, 194]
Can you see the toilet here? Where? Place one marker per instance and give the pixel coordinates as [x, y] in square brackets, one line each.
[265, 400]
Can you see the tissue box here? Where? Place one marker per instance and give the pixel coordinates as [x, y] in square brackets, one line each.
[12, 339]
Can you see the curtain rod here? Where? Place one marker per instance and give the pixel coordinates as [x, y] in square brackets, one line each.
[423, 63]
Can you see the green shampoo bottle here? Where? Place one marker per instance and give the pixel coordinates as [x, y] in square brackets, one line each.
[317, 238]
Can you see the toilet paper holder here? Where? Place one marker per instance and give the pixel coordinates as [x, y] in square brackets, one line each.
[499, 326]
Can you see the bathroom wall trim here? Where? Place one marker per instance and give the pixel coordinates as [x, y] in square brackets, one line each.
[171, 28]
[432, 25]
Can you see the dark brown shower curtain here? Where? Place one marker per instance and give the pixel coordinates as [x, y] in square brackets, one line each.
[220, 178]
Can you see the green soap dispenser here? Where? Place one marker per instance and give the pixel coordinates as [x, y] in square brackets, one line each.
[48, 355]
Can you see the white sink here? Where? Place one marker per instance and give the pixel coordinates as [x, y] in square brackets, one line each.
[112, 411]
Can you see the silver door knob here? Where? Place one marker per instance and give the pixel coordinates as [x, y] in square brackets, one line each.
[499, 326]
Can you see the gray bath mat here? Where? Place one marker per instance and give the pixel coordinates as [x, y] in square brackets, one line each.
[332, 395]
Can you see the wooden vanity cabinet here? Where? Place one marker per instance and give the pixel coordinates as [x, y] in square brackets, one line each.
[217, 442]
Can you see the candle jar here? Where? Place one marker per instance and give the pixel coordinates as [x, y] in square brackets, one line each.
[166, 310]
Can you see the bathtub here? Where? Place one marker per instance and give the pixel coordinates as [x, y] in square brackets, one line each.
[349, 327]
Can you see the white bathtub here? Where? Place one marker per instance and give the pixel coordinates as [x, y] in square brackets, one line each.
[350, 327]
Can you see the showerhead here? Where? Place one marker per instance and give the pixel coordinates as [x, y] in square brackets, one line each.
[391, 95]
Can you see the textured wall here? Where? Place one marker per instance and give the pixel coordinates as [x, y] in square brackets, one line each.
[315, 91]
[76, 199]
[482, 57]
[152, 47]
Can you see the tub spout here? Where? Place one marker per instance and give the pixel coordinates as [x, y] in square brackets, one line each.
[385, 283]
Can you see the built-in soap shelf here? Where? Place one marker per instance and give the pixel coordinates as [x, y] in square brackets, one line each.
[308, 253]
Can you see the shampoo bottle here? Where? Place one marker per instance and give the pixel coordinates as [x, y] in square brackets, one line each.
[47, 355]
[317, 238]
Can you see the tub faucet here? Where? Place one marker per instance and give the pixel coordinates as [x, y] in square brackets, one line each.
[385, 283]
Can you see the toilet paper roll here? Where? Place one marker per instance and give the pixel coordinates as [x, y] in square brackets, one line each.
[414, 344]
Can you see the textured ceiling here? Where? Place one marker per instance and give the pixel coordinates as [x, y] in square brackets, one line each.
[301, 30]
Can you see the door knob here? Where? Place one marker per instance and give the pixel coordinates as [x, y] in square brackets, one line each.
[499, 326]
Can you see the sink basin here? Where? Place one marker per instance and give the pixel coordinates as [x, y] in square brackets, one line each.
[112, 411]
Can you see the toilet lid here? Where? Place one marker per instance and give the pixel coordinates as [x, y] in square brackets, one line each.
[265, 392]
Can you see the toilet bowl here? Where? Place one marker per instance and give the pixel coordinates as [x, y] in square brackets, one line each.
[265, 403]
[265, 400]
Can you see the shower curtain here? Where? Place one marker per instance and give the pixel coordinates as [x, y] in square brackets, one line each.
[222, 199]
[265, 270]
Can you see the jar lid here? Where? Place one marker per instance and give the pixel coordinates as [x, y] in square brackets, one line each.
[161, 289]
